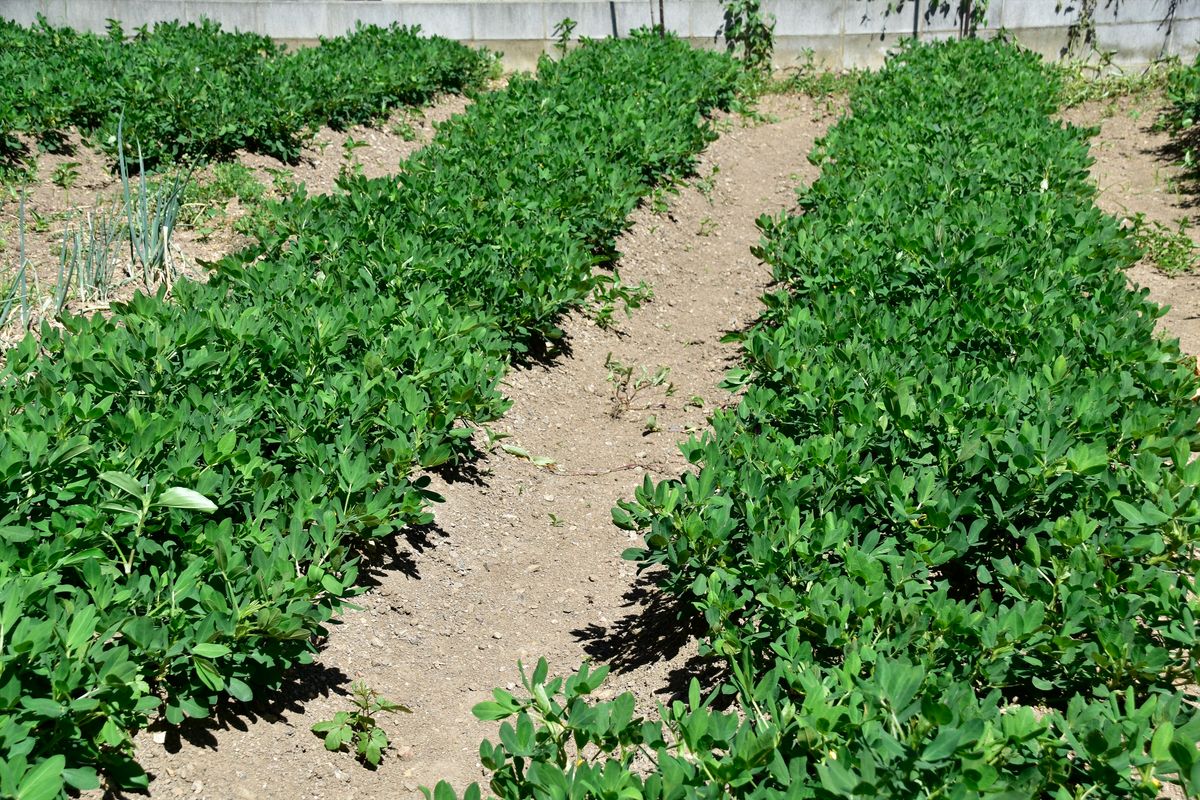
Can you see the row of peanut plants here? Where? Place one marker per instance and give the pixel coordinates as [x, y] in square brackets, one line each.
[1182, 115]
[184, 486]
[945, 545]
[194, 91]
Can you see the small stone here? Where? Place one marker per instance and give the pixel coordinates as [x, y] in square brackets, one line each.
[159, 737]
[341, 776]
[197, 787]
[497, 635]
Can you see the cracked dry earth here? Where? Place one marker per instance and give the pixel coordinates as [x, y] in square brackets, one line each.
[524, 561]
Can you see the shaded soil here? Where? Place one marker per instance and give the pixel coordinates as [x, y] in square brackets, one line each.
[523, 561]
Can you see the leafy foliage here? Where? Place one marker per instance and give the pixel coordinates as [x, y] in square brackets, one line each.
[193, 90]
[744, 26]
[299, 391]
[1182, 116]
[946, 542]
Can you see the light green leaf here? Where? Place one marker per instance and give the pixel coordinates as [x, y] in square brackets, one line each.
[126, 483]
[211, 650]
[1160, 745]
[179, 497]
[239, 690]
[43, 782]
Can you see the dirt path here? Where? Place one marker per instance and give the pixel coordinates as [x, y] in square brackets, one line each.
[1135, 176]
[525, 561]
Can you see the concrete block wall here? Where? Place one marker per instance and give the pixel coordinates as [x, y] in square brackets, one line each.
[840, 33]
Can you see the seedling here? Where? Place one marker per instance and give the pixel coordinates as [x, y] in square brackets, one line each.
[66, 175]
[350, 163]
[562, 34]
[207, 197]
[357, 727]
[494, 437]
[1172, 251]
[283, 181]
[609, 293]
[404, 128]
[86, 258]
[626, 387]
[706, 185]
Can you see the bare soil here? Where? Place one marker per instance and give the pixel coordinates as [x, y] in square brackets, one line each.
[1136, 173]
[523, 561]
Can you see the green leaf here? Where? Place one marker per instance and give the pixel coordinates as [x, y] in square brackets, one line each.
[44, 781]
[179, 497]
[836, 778]
[82, 778]
[332, 585]
[1160, 744]
[239, 690]
[208, 674]
[1131, 514]
[210, 650]
[1088, 459]
[125, 483]
[43, 707]
[899, 681]
[490, 711]
[943, 746]
[16, 534]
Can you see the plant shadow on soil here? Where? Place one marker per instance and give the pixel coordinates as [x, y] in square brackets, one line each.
[658, 629]
[396, 553]
[301, 684]
[542, 353]
[1172, 154]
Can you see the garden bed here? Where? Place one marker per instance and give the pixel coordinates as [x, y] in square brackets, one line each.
[521, 560]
